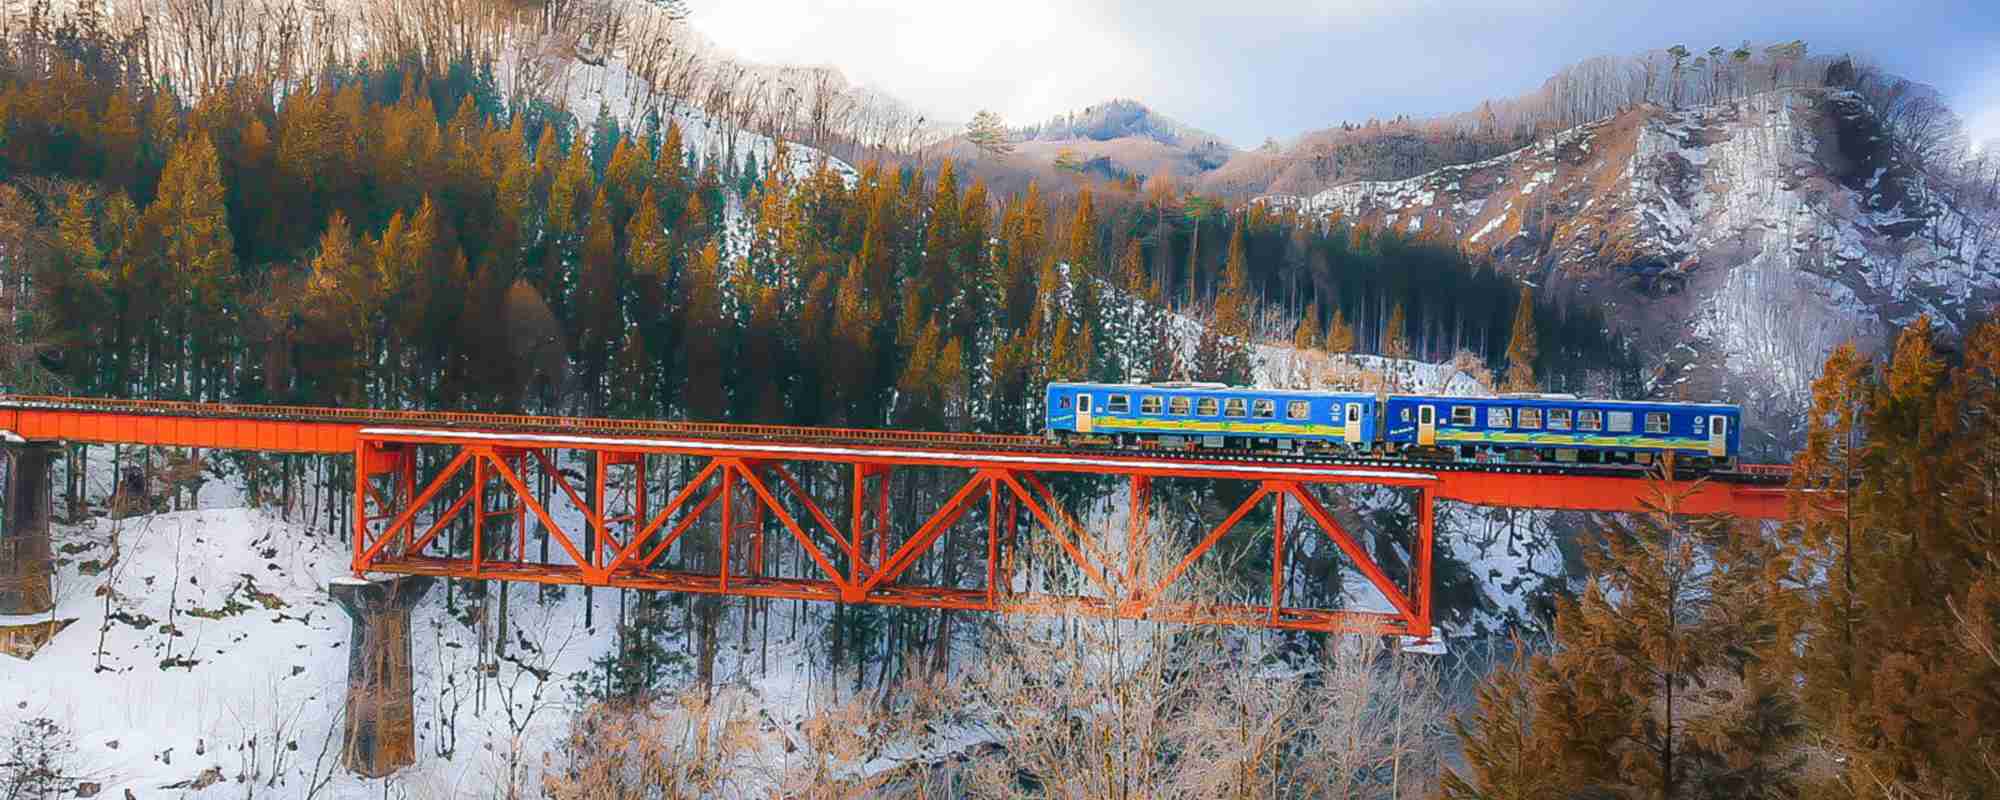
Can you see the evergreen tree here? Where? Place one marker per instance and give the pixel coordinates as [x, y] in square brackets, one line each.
[988, 133]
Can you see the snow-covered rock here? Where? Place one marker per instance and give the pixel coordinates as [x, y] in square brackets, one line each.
[1739, 242]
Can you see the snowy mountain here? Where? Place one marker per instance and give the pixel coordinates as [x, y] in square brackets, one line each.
[1738, 241]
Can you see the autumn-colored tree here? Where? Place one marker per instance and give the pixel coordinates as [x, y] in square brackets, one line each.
[1506, 756]
[1652, 688]
[1235, 302]
[1395, 337]
[705, 338]
[1339, 336]
[1899, 650]
[1521, 346]
[1082, 249]
[197, 252]
[1306, 336]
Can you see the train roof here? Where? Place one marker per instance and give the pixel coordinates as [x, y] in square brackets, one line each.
[1552, 399]
[1207, 387]
[1558, 400]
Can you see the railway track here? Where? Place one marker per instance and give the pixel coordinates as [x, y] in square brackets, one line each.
[1750, 474]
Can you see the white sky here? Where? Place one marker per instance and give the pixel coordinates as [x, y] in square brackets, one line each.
[1279, 68]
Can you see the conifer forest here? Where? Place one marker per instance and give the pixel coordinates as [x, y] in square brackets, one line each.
[593, 208]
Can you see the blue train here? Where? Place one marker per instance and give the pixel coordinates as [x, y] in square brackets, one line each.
[1515, 428]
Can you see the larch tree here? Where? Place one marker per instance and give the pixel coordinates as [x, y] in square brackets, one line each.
[1506, 757]
[1522, 347]
[1339, 336]
[198, 253]
[1652, 686]
[706, 331]
[1305, 337]
[1395, 336]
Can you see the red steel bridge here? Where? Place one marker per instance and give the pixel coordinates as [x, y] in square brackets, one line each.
[479, 466]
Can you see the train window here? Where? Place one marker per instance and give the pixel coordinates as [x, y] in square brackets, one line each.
[1656, 422]
[1499, 418]
[1298, 409]
[1618, 421]
[1118, 404]
[1149, 404]
[1589, 419]
[1263, 409]
[1233, 407]
[1354, 413]
[1558, 419]
[1205, 407]
[1531, 418]
[1180, 405]
[1464, 416]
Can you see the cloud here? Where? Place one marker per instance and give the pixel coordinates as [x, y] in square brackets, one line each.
[1248, 69]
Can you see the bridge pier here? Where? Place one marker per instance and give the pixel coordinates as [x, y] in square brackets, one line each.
[380, 736]
[26, 558]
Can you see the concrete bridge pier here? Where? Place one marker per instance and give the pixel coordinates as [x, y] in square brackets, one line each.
[26, 558]
[380, 737]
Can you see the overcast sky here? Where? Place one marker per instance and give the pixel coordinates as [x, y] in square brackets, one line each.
[1277, 68]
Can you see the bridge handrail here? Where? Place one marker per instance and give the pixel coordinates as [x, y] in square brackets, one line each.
[373, 416]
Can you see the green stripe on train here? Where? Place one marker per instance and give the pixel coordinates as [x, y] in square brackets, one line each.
[1200, 426]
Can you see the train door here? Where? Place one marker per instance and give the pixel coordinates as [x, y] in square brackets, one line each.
[1353, 432]
[1427, 434]
[1718, 436]
[1083, 412]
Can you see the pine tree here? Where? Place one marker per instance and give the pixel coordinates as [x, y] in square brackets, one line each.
[1521, 347]
[988, 133]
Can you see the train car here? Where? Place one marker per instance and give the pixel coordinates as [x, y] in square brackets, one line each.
[1190, 415]
[1561, 428]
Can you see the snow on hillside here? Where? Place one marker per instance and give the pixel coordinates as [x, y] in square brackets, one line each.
[584, 88]
[206, 660]
[1739, 241]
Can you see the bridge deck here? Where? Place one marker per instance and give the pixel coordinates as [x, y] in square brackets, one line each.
[743, 480]
[1752, 491]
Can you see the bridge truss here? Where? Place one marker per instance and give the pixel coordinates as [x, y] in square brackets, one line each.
[446, 494]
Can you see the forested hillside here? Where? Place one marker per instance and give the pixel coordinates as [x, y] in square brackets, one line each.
[374, 233]
[577, 207]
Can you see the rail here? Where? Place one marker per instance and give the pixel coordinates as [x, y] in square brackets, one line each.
[508, 422]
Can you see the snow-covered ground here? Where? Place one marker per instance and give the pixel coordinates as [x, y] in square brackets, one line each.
[208, 660]
[208, 653]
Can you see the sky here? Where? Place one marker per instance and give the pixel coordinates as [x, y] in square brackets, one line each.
[1273, 68]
